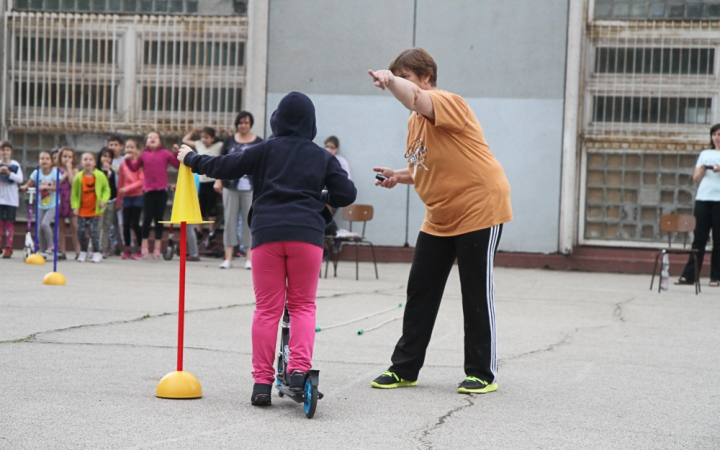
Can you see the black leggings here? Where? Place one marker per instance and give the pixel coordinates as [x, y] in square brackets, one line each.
[208, 199]
[131, 219]
[154, 203]
[707, 219]
[432, 262]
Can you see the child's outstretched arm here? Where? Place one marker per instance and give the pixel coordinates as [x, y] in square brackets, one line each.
[226, 167]
[341, 190]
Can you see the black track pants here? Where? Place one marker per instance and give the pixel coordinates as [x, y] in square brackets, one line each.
[432, 262]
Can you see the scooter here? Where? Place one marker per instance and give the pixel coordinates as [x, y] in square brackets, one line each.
[170, 249]
[309, 395]
[29, 248]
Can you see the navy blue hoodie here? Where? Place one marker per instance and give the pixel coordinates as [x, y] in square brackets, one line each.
[289, 173]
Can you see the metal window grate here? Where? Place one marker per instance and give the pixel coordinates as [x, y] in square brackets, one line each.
[657, 9]
[110, 6]
[186, 53]
[668, 110]
[87, 73]
[650, 93]
[653, 60]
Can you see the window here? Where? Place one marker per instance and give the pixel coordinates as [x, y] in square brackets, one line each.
[649, 60]
[187, 53]
[61, 50]
[657, 10]
[85, 96]
[667, 110]
[226, 100]
[111, 6]
[627, 192]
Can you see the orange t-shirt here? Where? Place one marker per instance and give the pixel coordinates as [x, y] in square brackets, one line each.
[463, 186]
[88, 201]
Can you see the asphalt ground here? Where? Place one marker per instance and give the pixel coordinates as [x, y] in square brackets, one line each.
[586, 360]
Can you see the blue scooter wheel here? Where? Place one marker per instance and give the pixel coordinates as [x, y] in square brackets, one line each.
[311, 398]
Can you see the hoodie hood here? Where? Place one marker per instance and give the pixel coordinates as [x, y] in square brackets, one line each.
[294, 116]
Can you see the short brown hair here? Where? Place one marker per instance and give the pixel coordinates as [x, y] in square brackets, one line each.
[418, 61]
[333, 140]
[712, 130]
[6, 144]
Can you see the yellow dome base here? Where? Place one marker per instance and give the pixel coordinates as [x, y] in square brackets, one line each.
[179, 384]
[55, 278]
[35, 259]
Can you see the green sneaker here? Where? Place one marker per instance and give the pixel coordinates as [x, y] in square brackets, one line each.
[473, 385]
[390, 380]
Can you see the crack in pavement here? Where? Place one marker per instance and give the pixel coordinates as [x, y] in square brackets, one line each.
[32, 336]
[618, 311]
[347, 294]
[425, 436]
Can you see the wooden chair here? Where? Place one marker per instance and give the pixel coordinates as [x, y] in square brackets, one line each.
[677, 223]
[352, 213]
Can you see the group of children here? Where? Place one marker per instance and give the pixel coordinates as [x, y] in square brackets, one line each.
[89, 198]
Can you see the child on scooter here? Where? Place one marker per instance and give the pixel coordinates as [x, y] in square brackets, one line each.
[287, 220]
[10, 177]
[46, 208]
[90, 193]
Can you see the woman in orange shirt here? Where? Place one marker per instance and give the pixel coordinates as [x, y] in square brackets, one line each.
[467, 199]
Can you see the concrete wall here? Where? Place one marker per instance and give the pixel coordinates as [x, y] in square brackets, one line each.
[507, 59]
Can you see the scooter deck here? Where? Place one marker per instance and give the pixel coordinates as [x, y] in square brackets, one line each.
[297, 396]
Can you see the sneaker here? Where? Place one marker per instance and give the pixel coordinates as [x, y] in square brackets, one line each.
[248, 265]
[97, 257]
[261, 395]
[62, 256]
[145, 253]
[81, 257]
[226, 264]
[390, 380]
[104, 255]
[474, 385]
[126, 255]
[137, 256]
[193, 258]
[297, 379]
[7, 253]
[156, 253]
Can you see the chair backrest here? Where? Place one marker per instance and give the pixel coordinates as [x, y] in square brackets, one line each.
[677, 223]
[358, 213]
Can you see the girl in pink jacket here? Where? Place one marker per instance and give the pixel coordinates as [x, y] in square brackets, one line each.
[154, 160]
[130, 196]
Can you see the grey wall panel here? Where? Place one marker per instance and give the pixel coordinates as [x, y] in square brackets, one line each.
[525, 136]
[327, 46]
[492, 49]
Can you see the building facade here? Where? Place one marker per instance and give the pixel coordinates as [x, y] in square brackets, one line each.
[597, 109]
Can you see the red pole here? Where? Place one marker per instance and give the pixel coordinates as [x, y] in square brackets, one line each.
[181, 315]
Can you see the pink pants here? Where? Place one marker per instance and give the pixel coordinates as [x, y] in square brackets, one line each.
[9, 229]
[284, 270]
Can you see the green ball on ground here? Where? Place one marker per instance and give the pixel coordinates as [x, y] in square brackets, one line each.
[360, 331]
[318, 329]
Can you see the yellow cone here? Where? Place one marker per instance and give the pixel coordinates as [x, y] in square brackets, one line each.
[55, 278]
[35, 259]
[179, 384]
[186, 206]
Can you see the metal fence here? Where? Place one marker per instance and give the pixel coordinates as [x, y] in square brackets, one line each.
[90, 73]
[650, 96]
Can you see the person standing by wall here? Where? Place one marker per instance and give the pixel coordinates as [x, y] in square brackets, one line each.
[237, 194]
[707, 211]
[332, 144]
[467, 200]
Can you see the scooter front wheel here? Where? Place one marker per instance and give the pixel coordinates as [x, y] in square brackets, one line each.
[168, 254]
[311, 398]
